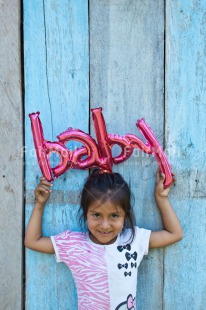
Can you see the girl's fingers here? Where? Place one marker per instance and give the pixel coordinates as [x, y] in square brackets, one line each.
[169, 187]
[44, 182]
[44, 188]
[158, 172]
[162, 177]
[158, 175]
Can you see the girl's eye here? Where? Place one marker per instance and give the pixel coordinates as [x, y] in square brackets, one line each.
[114, 216]
[96, 215]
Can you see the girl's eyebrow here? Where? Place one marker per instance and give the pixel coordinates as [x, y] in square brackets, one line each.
[114, 212]
[91, 211]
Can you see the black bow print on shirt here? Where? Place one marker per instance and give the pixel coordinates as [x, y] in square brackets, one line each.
[121, 266]
[129, 256]
[134, 265]
[127, 273]
[120, 248]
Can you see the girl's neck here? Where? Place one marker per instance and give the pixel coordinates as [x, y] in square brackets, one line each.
[95, 240]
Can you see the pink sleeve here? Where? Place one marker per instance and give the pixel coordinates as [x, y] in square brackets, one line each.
[61, 243]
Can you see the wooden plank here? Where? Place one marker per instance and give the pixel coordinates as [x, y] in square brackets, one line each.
[127, 80]
[56, 84]
[11, 165]
[186, 135]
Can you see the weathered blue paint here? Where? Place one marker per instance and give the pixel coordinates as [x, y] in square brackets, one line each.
[185, 264]
[126, 78]
[56, 84]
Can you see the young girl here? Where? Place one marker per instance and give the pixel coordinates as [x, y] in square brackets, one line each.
[113, 246]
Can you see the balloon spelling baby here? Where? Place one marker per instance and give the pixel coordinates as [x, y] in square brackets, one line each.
[92, 153]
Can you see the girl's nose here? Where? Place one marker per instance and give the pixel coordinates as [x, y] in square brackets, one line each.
[105, 224]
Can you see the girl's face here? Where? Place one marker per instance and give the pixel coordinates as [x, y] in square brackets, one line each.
[105, 222]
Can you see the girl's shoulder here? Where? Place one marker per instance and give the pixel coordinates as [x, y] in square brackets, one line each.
[141, 231]
[139, 246]
[70, 235]
[141, 234]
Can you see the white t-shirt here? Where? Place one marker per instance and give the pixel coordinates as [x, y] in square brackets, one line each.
[105, 275]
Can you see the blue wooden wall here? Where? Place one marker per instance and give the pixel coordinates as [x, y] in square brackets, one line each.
[185, 133]
[57, 85]
[135, 59]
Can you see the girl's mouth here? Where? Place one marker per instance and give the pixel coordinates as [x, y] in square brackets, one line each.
[104, 232]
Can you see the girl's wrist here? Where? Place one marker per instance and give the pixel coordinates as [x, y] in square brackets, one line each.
[39, 205]
[160, 198]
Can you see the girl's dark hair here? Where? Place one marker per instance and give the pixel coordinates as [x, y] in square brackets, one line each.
[103, 186]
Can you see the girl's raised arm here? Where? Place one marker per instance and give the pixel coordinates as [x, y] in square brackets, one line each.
[33, 238]
[172, 231]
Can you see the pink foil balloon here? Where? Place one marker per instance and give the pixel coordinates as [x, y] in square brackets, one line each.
[44, 148]
[41, 150]
[156, 151]
[124, 144]
[64, 155]
[105, 155]
[97, 154]
[90, 148]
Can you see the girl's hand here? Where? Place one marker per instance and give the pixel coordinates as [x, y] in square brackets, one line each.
[160, 191]
[172, 231]
[42, 191]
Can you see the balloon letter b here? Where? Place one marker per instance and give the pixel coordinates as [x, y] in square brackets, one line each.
[44, 148]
